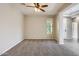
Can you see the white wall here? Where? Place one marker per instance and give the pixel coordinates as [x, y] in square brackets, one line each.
[11, 27]
[35, 27]
[60, 28]
[78, 31]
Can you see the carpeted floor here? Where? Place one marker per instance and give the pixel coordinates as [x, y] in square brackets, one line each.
[39, 48]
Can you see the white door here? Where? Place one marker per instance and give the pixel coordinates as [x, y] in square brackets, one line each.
[74, 30]
[65, 27]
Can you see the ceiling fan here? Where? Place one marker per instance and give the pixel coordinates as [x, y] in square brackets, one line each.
[37, 6]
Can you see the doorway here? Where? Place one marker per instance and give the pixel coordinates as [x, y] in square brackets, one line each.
[70, 29]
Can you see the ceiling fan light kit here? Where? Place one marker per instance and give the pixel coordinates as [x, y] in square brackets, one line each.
[37, 10]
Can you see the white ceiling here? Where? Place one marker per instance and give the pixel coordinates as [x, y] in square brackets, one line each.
[72, 10]
[52, 9]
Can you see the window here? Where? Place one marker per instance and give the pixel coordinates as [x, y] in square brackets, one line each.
[49, 26]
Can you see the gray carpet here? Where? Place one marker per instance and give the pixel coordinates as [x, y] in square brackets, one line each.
[39, 48]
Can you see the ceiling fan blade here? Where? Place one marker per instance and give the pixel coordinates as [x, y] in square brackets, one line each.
[35, 4]
[41, 9]
[23, 3]
[44, 5]
[38, 4]
[30, 6]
